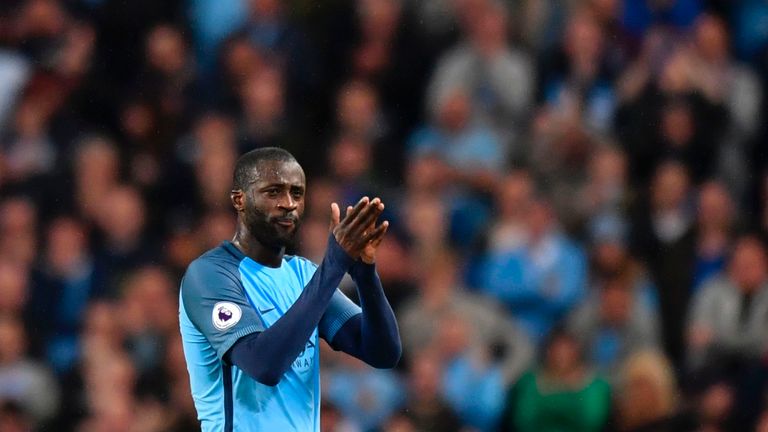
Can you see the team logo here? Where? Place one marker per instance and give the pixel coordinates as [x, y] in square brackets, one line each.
[225, 315]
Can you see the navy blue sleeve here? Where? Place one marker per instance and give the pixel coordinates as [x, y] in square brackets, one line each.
[339, 311]
[372, 336]
[266, 356]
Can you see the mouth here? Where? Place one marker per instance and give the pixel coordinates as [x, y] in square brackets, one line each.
[285, 222]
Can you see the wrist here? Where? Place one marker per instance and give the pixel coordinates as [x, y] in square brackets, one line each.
[337, 254]
[361, 269]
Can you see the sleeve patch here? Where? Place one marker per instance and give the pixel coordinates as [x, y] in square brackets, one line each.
[225, 315]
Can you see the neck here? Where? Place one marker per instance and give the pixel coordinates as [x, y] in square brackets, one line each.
[255, 250]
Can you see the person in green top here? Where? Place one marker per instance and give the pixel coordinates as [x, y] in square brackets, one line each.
[562, 395]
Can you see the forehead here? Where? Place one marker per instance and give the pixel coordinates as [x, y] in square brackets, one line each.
[278, 172]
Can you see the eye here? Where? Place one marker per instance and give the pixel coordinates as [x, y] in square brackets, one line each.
[271, 192]
[297, 193]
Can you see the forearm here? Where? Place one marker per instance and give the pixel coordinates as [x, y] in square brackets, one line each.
[266, 356]
[372, 336]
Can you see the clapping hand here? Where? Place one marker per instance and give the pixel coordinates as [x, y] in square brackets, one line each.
[357, 233]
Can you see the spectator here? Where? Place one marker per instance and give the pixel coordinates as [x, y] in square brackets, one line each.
[562, 394]
[264, 112]
[470, 150]
[716, 408]
[647, 398]
[140, 132]
[691, 124]
[167, 83]
[350, 159]
[147, 314]
[96, 166]
[367, 397]
[735, 86]
[28, 149]
[473, 378]
[441, 299]
[715, 226]
[200, 157]
[466, 159]
[18, 230]
[22, 380]
[496, 78]
[611, 261]
[664, 237]
[122, 222]
[426, 408]
[14, 288]
[605, 193]
[359, 115]
[270, 29]
[543, 280]
[64, 283]
[509, 232]
[582, 160]
[726, 329]
[358, 112]
[581, 87]
[614, 323]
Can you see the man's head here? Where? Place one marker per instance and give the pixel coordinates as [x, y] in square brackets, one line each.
[268, 194]
[748, 268]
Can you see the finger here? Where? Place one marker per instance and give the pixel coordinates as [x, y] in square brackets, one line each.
[376, 239]
[366, 217]
[349, 210]
[376, 236]
[334, 215]
[355, 210]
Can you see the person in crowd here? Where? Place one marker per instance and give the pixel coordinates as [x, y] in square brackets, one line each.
[726, 328]
[647, 397]
[716, 226]
[64, 283]
[541, 281]
[23, 380]
[496, 78]
[614, 323]
[563, 393]
[663, 236]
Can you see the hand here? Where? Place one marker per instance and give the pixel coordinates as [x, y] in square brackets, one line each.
[368, 255]
[353, 233]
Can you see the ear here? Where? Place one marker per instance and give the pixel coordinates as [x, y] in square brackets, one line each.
[238, 199]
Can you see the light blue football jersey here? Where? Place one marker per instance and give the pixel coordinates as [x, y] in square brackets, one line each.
[224, 296]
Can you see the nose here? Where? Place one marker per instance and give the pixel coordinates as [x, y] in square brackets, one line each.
[287, 202]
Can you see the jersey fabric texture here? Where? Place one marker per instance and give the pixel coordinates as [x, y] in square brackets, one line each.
[226, 295]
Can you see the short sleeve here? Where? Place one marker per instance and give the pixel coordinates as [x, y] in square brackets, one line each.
[214, 300]
[339, 310]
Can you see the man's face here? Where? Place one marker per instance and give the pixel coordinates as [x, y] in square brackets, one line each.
[748, 268]
[274, 203]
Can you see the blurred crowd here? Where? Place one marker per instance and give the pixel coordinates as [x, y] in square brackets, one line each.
[578, 193]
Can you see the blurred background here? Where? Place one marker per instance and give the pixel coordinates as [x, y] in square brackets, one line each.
[577, 191]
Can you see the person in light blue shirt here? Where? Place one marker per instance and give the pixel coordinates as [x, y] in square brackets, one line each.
[251, 317]
[540, 281]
